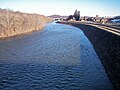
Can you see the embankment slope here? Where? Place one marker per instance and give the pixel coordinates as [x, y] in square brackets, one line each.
[107, 46]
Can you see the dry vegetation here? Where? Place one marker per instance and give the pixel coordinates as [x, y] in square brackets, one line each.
[14, 23]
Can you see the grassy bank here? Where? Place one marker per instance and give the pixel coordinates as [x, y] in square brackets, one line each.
[14, 23]
[107, 46]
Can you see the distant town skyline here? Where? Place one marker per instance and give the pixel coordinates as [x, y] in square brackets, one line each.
[64, 7]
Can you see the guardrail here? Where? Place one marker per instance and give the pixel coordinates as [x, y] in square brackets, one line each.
[106, 27]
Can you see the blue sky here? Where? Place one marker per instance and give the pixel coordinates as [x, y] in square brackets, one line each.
[64, 7]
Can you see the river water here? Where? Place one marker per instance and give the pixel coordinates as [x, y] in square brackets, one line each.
[58, 58]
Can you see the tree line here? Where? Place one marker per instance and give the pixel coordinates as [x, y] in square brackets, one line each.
[76, 16]
[13, 23]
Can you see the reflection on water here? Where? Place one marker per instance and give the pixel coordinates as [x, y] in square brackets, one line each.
[58, 58]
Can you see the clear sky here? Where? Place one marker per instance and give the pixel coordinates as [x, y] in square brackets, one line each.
[64, 7]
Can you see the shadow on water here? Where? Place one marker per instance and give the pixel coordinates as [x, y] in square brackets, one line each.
[59, 57]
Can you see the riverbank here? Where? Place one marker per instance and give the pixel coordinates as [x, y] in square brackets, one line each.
[15, 23]
[107, 46]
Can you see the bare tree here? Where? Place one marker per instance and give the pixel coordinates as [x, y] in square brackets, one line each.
[8, 17]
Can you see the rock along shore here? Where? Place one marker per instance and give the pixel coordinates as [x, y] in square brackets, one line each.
[107, 46]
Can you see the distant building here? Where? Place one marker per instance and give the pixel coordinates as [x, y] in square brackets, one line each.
[90, 19]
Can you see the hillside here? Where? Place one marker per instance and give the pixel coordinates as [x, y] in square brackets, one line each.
[14, 23]
[58, 16]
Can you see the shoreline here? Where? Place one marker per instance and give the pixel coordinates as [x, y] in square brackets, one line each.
[16, 23]
[106, 45]
[26, 32]
[22, 34]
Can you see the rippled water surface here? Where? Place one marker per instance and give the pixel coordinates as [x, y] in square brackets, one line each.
[58, 58]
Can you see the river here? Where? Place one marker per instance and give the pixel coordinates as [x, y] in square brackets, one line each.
[58, 58]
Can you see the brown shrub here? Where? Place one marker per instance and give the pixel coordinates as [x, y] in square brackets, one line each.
[13, 23]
